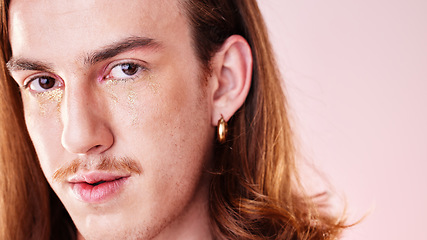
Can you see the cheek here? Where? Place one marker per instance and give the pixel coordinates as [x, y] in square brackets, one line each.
[128, 102]
[44, 128]
[178, 136]
[174, 161]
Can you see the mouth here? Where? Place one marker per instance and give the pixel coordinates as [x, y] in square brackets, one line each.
[97, 187]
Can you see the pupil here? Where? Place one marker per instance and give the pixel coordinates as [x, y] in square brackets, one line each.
[129, 69]
[46, 82]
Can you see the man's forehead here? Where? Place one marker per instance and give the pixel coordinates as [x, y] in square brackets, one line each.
[52, 14]
[64, 6]
[51, 24]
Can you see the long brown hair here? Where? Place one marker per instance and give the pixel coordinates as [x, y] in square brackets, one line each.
[255, 192]
[29, 209]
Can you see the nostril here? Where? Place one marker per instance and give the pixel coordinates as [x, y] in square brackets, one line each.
[95, 148]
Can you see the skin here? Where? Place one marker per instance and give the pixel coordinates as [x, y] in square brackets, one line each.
[163, 116]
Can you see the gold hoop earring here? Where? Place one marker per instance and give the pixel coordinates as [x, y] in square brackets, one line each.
[222, 130]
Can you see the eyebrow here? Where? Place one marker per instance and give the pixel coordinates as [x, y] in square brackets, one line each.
[116, 48]
[23, 64]
[106, 52]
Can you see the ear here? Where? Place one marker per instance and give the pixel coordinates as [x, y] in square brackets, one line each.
[231, 76]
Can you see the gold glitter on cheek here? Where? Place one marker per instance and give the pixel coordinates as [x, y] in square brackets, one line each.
[125, 94]
[46, 98]
[111, 93]
[132, 98]
[154, 86]
[114, 90]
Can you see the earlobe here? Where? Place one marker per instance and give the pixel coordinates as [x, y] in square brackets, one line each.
[232, 67]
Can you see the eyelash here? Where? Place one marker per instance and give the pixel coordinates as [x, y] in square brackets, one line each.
[134, 75]
[56, 84]
[139, 68]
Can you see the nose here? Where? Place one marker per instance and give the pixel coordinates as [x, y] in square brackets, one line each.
[85, 122]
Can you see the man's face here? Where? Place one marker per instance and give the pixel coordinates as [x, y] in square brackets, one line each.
[117, 109]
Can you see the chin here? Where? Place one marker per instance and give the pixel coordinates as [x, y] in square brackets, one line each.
[118, 226]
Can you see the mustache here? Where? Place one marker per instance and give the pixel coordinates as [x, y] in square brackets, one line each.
[113, 164]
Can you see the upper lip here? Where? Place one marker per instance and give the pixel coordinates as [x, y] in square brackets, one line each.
[95, 177]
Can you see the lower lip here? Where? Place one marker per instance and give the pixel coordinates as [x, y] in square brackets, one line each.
[99, 193]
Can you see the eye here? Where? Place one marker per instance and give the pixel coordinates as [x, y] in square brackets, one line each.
[124, 71]
[43, 84]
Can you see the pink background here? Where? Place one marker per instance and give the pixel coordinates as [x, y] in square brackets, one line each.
[356, 75]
